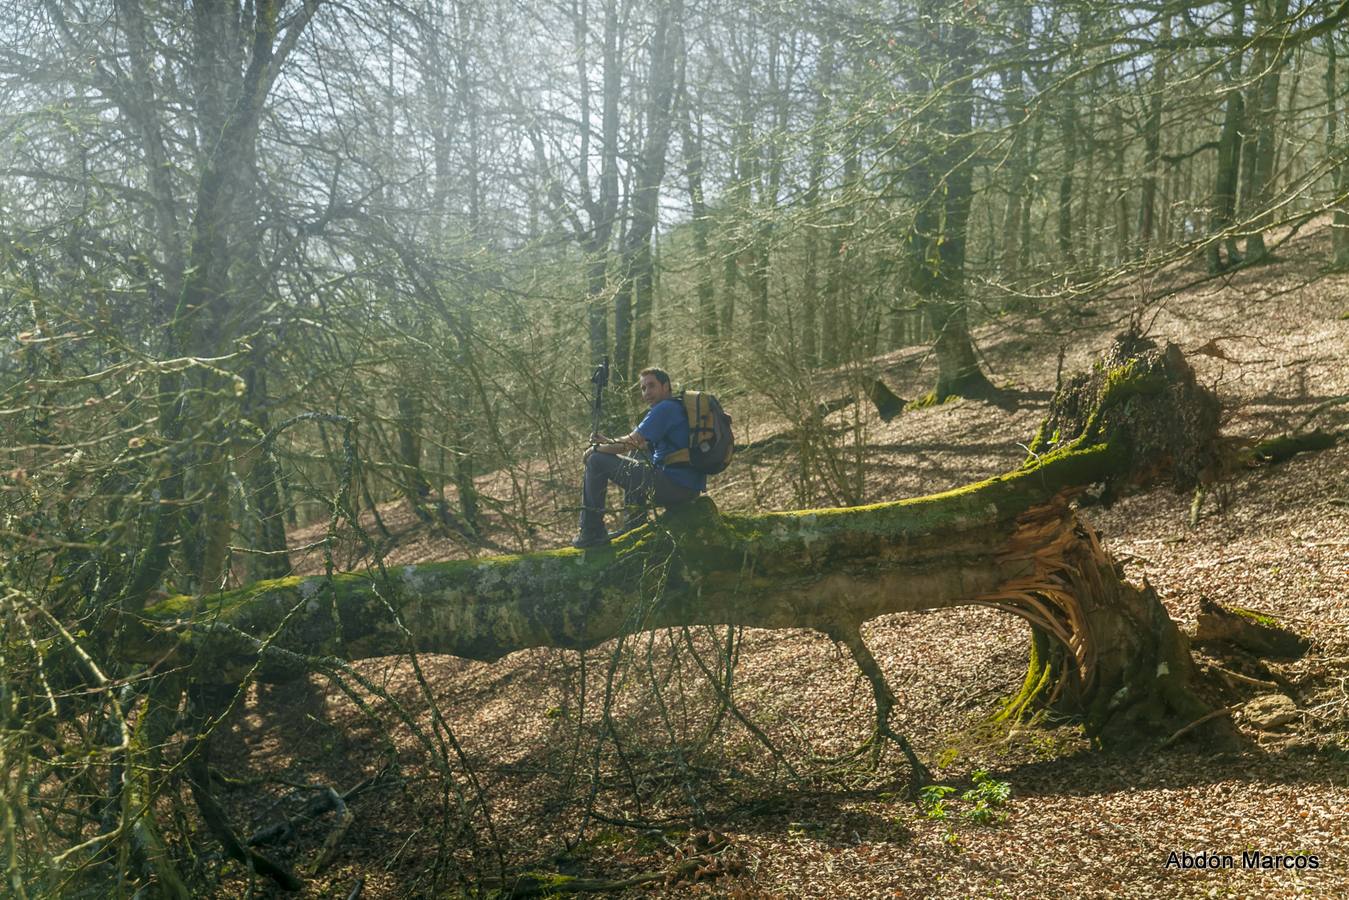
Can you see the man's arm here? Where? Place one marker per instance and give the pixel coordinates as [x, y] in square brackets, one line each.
[656, 424]
[626, 444]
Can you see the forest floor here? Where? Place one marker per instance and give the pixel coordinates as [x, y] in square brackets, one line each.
[662, 755]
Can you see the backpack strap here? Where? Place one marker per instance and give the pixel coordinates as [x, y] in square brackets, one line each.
[680, 457]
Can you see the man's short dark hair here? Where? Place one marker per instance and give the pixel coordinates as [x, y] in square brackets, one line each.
[658, 374]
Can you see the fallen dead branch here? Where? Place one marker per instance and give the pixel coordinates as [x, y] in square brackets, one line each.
[1224, 711]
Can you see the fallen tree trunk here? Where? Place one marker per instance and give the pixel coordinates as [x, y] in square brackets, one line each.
[809, 569]
[1102, 649]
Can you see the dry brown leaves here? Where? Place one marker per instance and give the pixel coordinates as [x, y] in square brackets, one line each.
[1080, 823]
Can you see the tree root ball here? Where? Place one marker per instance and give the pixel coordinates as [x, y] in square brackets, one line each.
[1148, 397]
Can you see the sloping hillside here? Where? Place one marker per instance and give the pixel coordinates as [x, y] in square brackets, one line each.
[617, 766]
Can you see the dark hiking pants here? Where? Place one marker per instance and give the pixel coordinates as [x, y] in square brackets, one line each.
[643, 485]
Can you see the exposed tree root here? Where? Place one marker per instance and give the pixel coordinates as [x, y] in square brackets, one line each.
[1181, 732]
[975, 386]
[1148, 393]
[888, 403]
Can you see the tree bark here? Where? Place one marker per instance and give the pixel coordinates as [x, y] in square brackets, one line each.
[1266, 112]
[1120, 144]
[939, 180]
[637, 263]
[1152, 144]
[1339, 226]
[412, 481]
[819, 152]
[760, 176]
[235, 60]
[1018, 114]
[700, 224]
[595, 233]
[836, 332]
[263, 476]
[1229, 155]
[1069, 126]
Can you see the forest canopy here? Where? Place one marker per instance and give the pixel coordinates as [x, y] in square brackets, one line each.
[270, 271]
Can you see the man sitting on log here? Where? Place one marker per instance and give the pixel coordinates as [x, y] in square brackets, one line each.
[663, 433]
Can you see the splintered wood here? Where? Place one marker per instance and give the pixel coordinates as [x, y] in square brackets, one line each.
[1066, 560]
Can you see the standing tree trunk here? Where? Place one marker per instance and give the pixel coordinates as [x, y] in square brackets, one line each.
[1090, 219]
[940, 182]
[595, 233]
[1018, 116]
[1026, 242]
[411, 480]
[730, 266]
[603, 212]
[461, 436]
[1120, 143]
[760, 228]
[836, 332]
[1152, 144]
[235, 60]
[1269, 63]
[1229, 155]
[263, 475]
[1069, 127]
[1290, 172]
[824, 75]
[763, 177]
[636, 266]
[1339, 226]
[701, 227]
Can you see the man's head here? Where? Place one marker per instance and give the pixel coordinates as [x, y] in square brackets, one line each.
[654, 385]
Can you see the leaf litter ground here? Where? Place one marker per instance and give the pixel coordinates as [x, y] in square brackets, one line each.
[1080, 822]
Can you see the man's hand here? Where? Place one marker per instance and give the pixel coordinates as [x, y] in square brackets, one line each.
[614, 446]
[596, 439]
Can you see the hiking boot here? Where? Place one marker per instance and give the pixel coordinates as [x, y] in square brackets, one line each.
[587, 539]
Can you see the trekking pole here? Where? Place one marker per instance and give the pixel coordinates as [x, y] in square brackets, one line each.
[600, 380]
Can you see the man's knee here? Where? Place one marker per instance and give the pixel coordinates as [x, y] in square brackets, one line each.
[602, 463]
